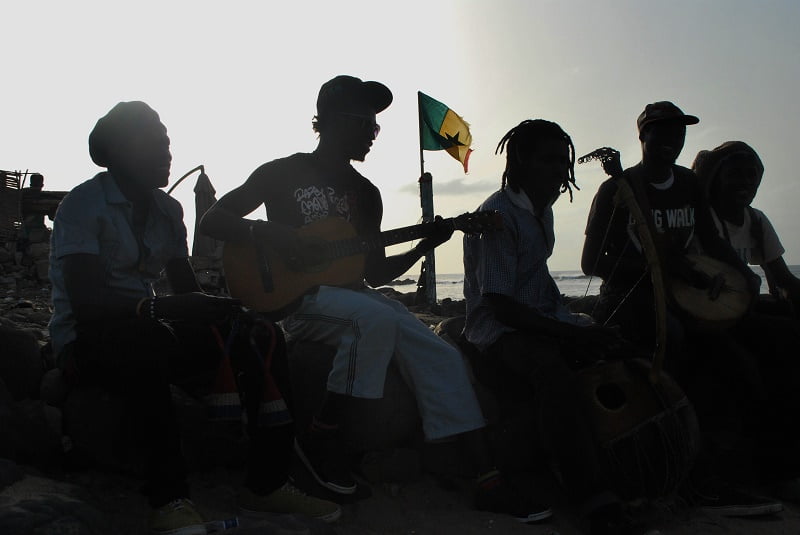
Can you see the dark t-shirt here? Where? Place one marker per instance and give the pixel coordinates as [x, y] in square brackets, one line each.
[673, 206]
[299, 190]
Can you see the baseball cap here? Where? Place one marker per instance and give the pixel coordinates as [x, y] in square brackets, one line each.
[348, 93]
[663, 111]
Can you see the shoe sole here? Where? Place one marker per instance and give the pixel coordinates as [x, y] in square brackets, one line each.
[327, 484]
[260, 515]
[535, 517]
[744, 510]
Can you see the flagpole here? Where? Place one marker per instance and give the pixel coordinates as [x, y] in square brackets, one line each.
[426, 203]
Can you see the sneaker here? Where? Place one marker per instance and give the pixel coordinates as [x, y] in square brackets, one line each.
[728, 501]
[612, 520]
[178, 517]
[497, 496]
[322, 454]
[288, 500]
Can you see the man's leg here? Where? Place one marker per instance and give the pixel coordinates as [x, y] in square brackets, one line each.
[131, 359]
[364, 334]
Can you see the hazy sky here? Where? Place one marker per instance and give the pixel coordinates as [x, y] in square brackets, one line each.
[236, 83]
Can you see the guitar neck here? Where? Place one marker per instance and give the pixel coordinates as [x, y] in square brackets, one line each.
[365, 244]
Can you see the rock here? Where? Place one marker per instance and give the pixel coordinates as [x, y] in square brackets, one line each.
[367, 424]
[34, 439]
[21, 365]
[39, 506]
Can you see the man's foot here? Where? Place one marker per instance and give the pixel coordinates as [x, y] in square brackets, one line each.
[612, 520]
[322, 454]
[729, 501]
[288, 500]
[497, 496]
[178, 517]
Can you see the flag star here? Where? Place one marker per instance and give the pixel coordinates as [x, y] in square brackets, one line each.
[448, 140]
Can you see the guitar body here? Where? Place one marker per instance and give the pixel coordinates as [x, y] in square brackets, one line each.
[266, 282]
[244, 268]
[719, 301]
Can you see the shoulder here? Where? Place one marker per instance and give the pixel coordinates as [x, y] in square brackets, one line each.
[85, 196]
[496, 201]
[686, 175]
[757, 214]
[281, 166]
[365, 184]
[608, 188]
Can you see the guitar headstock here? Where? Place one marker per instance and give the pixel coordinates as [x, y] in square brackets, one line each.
[477, 222]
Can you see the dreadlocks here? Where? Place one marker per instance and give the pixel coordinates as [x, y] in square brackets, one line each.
[524, 137]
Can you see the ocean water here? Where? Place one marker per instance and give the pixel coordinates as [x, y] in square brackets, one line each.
[571, 283]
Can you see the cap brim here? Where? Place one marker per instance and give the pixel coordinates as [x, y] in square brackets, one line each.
[683, 119]
[377, 95]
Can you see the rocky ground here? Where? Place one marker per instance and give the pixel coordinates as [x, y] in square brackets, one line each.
[45, 488]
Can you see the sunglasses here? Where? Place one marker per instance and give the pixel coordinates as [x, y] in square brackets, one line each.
[364, 122]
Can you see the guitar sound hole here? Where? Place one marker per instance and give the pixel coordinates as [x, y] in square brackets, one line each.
[610, 396]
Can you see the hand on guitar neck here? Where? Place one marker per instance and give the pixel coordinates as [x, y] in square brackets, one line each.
[441, 231]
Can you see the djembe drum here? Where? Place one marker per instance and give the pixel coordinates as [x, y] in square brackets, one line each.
[646, 430]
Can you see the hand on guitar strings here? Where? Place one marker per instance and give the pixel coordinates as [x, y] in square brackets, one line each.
[195, 306]
[442, 231]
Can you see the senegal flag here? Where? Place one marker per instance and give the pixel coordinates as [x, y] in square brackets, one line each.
[442, 129]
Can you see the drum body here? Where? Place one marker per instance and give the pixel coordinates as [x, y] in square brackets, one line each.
[646, 432]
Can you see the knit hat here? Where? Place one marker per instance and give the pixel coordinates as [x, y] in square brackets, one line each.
[707, 163]
[113, 126]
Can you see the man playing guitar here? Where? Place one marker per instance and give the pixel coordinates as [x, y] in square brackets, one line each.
[367, 329]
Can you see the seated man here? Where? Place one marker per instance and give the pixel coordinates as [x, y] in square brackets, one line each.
[730, 175]
[521, 327]
[112, 237]
[675, 215]
[368, 329]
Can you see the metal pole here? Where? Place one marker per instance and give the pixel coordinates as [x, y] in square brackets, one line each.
[426, 202]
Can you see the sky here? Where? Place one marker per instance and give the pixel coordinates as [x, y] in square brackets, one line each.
[236, 83]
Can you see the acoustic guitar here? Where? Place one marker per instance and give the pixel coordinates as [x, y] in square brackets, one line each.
[712, 294]
[267, 282]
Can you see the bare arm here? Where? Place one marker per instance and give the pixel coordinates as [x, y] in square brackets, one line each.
[93, 301]
[779, 277]
[524, 318]
[381, 269]
[598, 258]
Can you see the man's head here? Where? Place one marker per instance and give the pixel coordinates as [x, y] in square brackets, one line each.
[132, 143]
[540, 159]
[662, 131]
[346, 110]
[729, 173]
